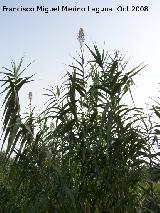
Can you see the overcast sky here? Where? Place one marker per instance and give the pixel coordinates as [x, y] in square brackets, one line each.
[51, 39]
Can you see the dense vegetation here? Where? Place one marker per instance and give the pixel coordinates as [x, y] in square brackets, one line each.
[87, 151]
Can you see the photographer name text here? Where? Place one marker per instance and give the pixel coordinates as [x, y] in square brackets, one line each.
[65, 8]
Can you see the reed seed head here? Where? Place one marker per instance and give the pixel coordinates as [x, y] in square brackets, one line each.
[81, 37]
[30, 96]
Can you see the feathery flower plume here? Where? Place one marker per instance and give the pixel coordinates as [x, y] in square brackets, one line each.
[81, 37]
[30, 100]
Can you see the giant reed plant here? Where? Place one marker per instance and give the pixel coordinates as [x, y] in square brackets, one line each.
[92, 157]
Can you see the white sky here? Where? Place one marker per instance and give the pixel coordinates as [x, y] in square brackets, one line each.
[51, 40]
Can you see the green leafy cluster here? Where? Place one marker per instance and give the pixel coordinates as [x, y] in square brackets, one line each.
[86, 151]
